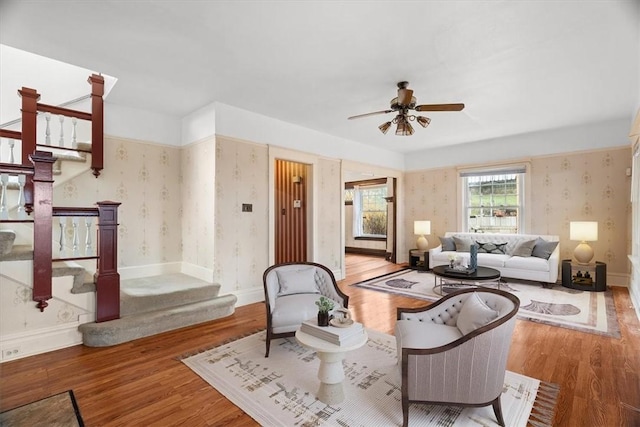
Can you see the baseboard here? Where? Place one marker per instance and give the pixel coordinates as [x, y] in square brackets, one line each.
[17, 346]
[249, 296]
[148, 270]
[618, 279]
[197, 271]
[366, 251]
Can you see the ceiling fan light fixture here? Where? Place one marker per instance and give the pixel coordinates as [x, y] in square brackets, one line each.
[424, 121]
[404, 127]
[384, 127]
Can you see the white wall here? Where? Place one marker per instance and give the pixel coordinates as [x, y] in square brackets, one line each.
[141, 125]
[248, 126]
[607, 134]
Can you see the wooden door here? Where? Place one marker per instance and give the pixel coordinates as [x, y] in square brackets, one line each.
[290, 205]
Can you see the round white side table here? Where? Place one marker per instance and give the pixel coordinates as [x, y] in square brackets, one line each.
[330, 372]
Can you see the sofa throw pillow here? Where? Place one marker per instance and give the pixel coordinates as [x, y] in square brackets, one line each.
[524, 248]
[447, 244]
[474, 314]
[543, 249]
[462, 243]
[492, 248]
[297, 281]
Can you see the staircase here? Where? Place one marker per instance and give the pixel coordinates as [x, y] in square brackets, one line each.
[151, 305]
[122, 310]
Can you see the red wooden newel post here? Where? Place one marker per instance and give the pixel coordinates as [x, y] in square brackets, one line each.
[97, 123]
[107, 277]
[29, 127]
[42, 226]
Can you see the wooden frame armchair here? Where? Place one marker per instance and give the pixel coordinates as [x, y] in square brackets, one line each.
[429, 339]
[290, 293]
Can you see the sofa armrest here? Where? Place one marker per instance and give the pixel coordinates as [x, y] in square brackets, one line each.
[554, 264]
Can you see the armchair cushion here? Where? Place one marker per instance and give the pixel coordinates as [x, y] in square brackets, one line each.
[300, 281]
[474, 314]
[291, 310]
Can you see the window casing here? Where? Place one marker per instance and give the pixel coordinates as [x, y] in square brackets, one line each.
[370, 211]
[493, 200]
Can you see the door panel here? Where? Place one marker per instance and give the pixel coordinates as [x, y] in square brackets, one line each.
[290, 211]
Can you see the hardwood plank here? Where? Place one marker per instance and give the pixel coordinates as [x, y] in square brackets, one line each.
[144, 383]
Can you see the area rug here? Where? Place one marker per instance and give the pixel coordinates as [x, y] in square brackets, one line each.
[592, 312]
[57, 410]
[280, 390]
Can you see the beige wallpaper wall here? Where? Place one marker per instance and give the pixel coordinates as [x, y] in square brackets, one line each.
[578, 186]
[241, 238]
[197, 175]
[145, 179]
[329, 213]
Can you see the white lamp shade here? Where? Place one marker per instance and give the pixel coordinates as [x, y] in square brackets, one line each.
[583, 231]
[421, 227]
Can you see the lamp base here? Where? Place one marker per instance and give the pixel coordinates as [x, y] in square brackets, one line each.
[422, 243]
[583, 253]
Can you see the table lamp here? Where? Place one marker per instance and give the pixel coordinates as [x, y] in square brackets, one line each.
[583, 231]
[420, 228]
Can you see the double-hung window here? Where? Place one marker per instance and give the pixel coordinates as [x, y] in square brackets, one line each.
[369, 210]
[493, 200]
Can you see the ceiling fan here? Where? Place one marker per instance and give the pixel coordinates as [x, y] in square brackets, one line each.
[404, 102]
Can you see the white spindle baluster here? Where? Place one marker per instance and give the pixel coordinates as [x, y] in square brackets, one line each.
[61, 140]
[22, 213]
[63, 224]
[47, 132]
[74, 122]
[87, 247]
[12, 159]
[74, 223]
[4, 180]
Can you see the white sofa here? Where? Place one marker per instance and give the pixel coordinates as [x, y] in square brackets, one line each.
[517, 267]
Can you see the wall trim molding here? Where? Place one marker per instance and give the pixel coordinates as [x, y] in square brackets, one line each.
[40, 341]
[138, 271]
[197, 271]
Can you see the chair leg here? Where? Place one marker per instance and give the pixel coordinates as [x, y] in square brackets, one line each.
[268, 343]
[405, 412]
[497, 409]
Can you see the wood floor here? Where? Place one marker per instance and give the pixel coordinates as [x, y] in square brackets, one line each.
[142, 383]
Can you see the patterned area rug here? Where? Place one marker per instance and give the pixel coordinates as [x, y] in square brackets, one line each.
[280, 390]
[592, 312]
[57, 410]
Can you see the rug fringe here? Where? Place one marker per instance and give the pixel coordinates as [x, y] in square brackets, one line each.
[211, 347]
[544, 406]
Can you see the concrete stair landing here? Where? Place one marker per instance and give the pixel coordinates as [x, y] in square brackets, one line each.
[152, 305]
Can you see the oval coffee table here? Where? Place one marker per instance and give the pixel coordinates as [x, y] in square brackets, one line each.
[330, 372]
[482, 274]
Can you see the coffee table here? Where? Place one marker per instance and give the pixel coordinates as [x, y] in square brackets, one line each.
[482, 274]
[331, 371]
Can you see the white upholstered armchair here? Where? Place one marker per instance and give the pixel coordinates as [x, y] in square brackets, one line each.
[290, 293]
[454, 352]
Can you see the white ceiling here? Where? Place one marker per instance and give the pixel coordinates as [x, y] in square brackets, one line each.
[519, 66]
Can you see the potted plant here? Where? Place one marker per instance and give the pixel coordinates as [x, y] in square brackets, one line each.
[325, 305]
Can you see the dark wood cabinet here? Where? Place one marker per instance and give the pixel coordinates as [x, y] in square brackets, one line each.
[585, 277]
[419, 260]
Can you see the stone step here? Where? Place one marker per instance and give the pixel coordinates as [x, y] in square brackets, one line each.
[18, 253]
[153, 293]
[7, 237]
[80, 282]
[129, 328]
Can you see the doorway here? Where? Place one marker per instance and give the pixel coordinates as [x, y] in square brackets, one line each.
[292, 211]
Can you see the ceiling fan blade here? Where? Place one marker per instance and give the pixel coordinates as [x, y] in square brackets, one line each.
[369, 114]
[404, 96]
[439, 107]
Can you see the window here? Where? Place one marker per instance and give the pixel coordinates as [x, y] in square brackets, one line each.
[369, 210]
[493, 200]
